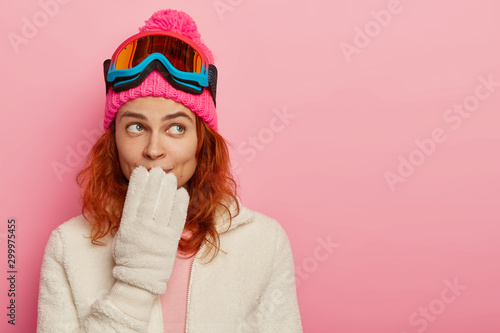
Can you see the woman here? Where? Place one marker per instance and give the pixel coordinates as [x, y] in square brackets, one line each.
[163, 243]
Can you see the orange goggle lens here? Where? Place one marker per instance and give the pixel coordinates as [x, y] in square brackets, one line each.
[181, 55]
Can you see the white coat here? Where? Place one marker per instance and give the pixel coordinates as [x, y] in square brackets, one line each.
[249, 287]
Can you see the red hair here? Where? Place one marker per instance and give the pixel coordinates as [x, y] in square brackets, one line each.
[104, 188]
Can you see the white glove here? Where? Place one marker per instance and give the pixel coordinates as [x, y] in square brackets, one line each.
[154, 215]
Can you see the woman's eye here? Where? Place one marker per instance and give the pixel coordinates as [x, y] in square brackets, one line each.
[135, 128]
[176, 129]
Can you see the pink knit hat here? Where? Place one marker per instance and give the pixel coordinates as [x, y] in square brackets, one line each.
[155, 84]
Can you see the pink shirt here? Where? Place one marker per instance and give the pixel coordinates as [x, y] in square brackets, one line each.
[174, 300]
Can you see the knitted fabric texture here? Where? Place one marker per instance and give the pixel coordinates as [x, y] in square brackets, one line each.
[156, 85]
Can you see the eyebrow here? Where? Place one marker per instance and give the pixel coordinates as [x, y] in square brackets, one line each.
[167, 117]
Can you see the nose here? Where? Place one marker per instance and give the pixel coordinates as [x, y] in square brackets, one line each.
[154, 149]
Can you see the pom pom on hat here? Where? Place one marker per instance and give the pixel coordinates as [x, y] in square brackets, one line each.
[155, 84]
[173, 20]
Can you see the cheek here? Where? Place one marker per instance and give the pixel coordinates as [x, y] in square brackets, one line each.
[127, 155]
[185, 154]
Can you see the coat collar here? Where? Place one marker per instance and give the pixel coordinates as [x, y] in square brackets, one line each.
[222, 217]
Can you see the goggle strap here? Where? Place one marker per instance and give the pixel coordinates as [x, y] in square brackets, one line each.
[106, 65]
[212, 80]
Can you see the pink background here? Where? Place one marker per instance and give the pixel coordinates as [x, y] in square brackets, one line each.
[354, 117]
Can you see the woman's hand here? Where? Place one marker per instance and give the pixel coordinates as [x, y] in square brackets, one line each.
[153, 218]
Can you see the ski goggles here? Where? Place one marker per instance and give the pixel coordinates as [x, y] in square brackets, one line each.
[181, 61]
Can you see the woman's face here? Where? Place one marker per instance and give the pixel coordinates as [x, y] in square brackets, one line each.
[154, 131]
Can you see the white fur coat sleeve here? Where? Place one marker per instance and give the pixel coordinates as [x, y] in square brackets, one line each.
[278, 307]
[56, 307]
